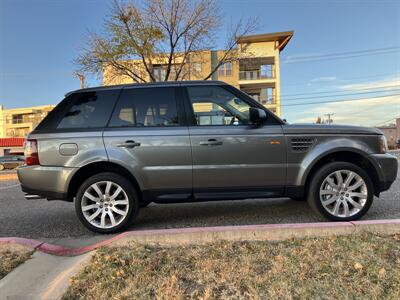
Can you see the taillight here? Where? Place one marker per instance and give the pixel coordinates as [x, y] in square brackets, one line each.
[31, 153]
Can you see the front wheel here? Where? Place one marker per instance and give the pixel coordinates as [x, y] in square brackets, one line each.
[341, 191]
[106, 203]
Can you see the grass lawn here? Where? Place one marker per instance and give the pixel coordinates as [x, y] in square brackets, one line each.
[365, 266]
[11, 256]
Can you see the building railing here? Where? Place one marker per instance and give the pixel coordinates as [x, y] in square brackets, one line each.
[254, 75]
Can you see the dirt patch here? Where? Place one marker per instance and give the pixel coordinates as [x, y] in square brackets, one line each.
[364, 266]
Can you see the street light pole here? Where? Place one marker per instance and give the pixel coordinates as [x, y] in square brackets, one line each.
[330, 121]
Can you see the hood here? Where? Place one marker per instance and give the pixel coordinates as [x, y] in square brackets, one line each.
[328, 129]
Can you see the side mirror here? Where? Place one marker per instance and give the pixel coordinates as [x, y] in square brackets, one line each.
[257, 115]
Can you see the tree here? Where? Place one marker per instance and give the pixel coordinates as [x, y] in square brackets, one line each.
[136, 37]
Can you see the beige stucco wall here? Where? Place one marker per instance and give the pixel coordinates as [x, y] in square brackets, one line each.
[37, 113]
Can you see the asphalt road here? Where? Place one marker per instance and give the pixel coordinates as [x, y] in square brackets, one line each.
[55, 220]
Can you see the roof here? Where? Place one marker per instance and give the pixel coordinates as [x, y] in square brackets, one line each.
[282, 37]
[154, 84]
[12, 142]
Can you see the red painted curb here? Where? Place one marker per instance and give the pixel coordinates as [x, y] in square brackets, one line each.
[65, 251]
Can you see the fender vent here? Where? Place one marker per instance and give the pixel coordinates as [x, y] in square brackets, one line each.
[302, 144]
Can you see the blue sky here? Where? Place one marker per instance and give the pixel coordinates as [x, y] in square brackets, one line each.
[40, 39]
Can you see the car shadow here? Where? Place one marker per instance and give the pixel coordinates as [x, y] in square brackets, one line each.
[220, 213]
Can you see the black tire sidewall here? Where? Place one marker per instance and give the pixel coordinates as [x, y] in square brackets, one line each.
[129, 190]
[316, 182]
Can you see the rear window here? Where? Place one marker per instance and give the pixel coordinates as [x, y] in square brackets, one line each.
[141, 107]
[84, 110]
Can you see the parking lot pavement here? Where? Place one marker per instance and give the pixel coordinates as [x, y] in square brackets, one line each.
[55, 221]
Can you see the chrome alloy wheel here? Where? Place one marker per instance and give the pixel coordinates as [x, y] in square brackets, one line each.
[105, 204]
[343, 193]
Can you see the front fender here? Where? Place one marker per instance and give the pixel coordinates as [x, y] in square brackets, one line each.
[324, 149]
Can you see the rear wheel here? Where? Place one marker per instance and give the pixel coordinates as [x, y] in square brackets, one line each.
[341, 191]
[106, 203]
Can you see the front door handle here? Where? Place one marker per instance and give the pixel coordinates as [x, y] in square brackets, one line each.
[129, 144]
[211, 142]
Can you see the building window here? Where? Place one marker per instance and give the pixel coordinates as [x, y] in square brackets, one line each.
[159, 73]
[266, 71]
[225, 70]
[17, 119]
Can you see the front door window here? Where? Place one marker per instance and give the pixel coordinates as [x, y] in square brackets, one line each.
[216, 106]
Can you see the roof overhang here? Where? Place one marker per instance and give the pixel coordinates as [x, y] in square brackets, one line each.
[281, 37]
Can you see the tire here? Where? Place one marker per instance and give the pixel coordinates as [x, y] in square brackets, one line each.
[2, 167]
[357, 194]
[121, 201]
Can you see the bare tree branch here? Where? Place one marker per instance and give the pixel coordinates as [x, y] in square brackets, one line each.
[137, 38]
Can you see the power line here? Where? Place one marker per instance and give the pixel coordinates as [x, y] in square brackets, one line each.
[346, 90]
[341, 55]
[351, 78]
[374, 107]
[340, 94]
[342, 100]
[387, 120]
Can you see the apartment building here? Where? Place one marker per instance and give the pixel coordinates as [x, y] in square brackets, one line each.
[256, 69]
[16, 123]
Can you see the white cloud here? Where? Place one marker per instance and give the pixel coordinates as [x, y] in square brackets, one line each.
[390, 82]
[323, 79]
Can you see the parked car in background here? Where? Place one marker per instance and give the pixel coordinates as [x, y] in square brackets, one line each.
[398, 144]
[11, 162]
[112, 150]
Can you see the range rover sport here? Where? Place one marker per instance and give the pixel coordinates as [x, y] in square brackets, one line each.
[112, 150]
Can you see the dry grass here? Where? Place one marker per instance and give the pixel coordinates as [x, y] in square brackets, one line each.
[348, 267]
[11, 256]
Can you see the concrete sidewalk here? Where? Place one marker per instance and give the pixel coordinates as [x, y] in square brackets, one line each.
[44, 277]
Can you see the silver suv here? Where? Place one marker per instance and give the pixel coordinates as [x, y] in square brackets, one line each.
[112, 150]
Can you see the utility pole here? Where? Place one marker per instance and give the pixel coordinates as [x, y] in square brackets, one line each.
[81, 78]
[330, 120]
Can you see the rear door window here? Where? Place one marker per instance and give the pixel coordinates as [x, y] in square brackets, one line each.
[144, 107]
[90, 109]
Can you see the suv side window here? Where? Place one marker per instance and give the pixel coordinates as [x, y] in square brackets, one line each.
[213, 105]
[138, 107]
[88, 110]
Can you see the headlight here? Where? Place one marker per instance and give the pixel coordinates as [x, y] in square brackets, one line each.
[383, 146]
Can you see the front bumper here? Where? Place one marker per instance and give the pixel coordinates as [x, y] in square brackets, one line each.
[387, 166]
[45, 182]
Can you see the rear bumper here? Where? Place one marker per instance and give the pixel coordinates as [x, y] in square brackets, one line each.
[45, 182]
[387, 165]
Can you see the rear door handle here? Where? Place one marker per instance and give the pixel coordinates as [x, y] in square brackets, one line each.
[129, 144]
[211, 142]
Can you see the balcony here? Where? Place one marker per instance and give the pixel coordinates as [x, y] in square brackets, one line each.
[254, 75]
[257, 70]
